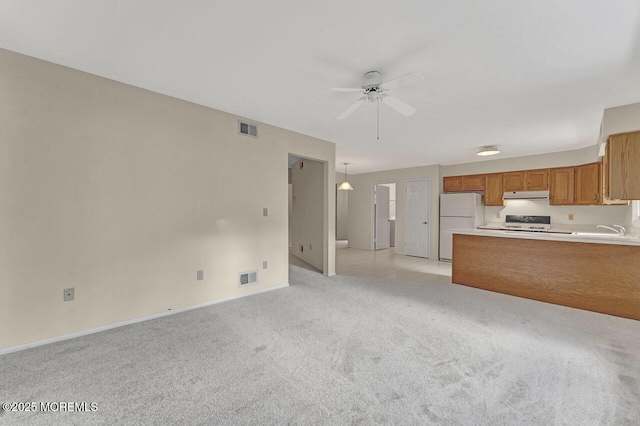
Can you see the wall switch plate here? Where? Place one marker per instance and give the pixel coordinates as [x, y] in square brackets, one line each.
[497, 215]
[265, 212]
[265, 264]
[310, 247]
[570, 216]
[200, 275]
[69, 294]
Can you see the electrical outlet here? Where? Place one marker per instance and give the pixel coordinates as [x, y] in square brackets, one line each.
[69, 294]
[265, 212]
[570, 216]
[264, 264]
[200, 275]
[301, 248]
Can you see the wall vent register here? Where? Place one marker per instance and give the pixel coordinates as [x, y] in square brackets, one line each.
[247, 278]
[247, 129]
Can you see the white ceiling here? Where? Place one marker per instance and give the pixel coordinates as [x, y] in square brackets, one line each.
[528, 76]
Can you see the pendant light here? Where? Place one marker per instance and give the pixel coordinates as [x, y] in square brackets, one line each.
[345, 186]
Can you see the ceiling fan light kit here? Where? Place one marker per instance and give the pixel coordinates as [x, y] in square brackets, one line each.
[345, 186]
[488, 150]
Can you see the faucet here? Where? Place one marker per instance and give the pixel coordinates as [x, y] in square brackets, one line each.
[621, 231]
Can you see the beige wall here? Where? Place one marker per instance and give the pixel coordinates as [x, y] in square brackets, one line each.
[361, 205]
[124, 194]
[583, 215]
[306, 211]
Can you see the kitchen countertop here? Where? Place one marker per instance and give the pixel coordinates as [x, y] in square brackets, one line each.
[604, 239]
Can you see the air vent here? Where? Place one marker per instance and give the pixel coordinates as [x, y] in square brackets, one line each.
[247, 129]
[247, 278]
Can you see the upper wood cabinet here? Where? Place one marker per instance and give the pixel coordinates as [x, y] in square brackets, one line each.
[562, 186]
[604, 177]
[527, 180]
[493, 190]
[463, 183]
[588, 187]
[513, 181]
[473, 183]
[536, 180]
[623, 173]
[452, 183]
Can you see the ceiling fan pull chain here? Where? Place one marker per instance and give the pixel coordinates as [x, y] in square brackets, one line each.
[378, 119]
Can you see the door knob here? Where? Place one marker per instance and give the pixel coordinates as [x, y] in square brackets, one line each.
[425, 223]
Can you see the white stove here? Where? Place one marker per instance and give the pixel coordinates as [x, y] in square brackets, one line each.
[525, 223]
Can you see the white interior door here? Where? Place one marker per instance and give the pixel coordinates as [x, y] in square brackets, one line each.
[416, 218]
[383, 226]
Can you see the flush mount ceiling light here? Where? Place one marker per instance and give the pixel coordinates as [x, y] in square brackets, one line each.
[345, 186]
[488, 150]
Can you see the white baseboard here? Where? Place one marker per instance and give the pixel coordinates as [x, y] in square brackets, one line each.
[133, 321]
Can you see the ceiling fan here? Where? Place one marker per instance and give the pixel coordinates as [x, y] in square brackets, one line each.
[374, 90]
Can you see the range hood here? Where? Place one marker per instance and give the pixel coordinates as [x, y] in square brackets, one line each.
[526, 195]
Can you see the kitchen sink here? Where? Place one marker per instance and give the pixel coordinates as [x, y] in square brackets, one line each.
[605, 236]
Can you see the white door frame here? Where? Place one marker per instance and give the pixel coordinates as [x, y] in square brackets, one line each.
[373, 209]
[404, 224]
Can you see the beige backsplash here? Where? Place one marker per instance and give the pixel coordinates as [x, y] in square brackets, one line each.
[585, 218]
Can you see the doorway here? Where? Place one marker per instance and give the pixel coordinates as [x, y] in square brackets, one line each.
[384, 216]
[342, 218]
[417, 228]
[306, 205]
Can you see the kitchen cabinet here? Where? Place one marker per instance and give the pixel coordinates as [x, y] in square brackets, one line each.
[513, 181]
[588, 188]
[604, 178]
[452, 183]
[493, 190]
[536, 180]
[463, 183]
[622, 160]
[473, 183]
[562, 186]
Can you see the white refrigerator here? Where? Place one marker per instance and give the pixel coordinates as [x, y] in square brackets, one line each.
[458, 211]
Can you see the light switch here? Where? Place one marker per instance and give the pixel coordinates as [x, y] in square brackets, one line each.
[265, 212]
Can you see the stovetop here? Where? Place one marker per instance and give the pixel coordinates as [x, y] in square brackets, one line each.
[526, 224]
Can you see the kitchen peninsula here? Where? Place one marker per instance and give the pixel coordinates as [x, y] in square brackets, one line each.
[595, 273]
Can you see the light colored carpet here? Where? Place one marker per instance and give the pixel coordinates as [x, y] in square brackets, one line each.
[344, 350]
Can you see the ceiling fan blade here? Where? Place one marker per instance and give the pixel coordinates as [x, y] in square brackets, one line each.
[398, 105]
[342, 89]
[354, 106]
[405, 80]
